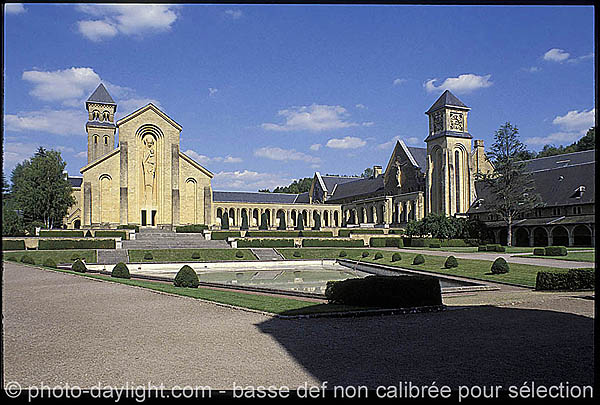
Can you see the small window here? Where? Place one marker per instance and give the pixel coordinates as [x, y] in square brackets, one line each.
[106, 140]
[95, 139]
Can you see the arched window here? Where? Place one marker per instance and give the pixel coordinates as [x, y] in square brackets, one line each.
[457, 178]
[96, 139]
[96, 115]
[106, 140]
[106, 116]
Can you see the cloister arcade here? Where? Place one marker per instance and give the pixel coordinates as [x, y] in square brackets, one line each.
[556, 235]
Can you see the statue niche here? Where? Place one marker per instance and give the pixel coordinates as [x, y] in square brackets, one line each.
[149, 170]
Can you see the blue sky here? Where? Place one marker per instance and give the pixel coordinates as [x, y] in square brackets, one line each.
[268, 94]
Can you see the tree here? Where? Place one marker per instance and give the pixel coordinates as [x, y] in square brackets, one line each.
[299, 222]
[368, 172]
[297, 186]
[510, 187]
[440, 226]
[263, 222]
[587, 142]
[40, 188]
[317, 219]
[225, 221]
[244, 226]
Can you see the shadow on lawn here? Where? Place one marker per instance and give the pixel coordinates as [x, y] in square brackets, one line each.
[481, 345]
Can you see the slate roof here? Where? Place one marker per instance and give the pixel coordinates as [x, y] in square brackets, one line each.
[255, 197]
[447, 99]
[100, 95]
[75, 181]
[100, 124]
[557, 186]
[357, 187]
[420, 155]
[331, 181]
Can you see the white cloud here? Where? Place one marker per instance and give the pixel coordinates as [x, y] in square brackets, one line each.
[411, 141]
[575, 120]
[14, 8]
[348, 142]
[82, 154]
[315, 146]
[247, 180]
[130, 105]
[275, 153]
[212, 91]
[127, 19]
[59, 122]
[312, 118]
[361, 106]
[62, 85]
[462, 84]
[368, 124]
[203, 159]
[16, 152]
[573, 125]
[532, 69]
[235, 14]
[398, 82]
[556, 55]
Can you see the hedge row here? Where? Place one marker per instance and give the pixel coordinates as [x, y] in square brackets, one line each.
[61, 234]
[259, 243]
[332, 243]
[76, 244]
[550, 251]
[289, 234]
[222, 235]
[346, 232]
[385, 291]
[574, 279]
[426, 242]
[13, 244]
[117, 234]
[491, 248]
[386, 242]
[191, 228]
[136, 227]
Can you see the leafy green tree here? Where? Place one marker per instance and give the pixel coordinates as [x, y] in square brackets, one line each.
[440, 226]
[317, 225]
[414, 228]
[297, 186]
[368, 172]
[244, 225]
[225, 221]
[299, 222]
[263, 222]
[40, 188]
[587, 142]
[510, 186]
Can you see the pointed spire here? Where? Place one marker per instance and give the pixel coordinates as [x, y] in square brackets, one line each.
[100, 95]
[447, 99]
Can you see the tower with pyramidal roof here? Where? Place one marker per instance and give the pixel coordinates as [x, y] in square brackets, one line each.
[100, 127]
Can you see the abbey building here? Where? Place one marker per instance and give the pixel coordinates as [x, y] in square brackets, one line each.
[137, 175]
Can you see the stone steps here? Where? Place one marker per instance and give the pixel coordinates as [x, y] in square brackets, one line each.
[266, 254]
[112, 256]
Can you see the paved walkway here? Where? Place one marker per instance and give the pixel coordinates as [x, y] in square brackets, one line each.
[61, 328]
[509, 257]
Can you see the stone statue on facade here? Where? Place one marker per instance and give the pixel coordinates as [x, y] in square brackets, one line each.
[149, 169]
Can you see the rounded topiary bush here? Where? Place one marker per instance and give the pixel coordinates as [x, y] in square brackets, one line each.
[500, 266]
[79, 266]
[365, 254]
[196, 255]
[378, 256]
[49, 263]
[419, 259]
[396, 257]
[239, 254]
[186, 277]
[88, 234]
[75, 256]
[343, 253]
[539, 251]
[120, 271]
[148, 256]
[297, 254]
[27, 259]
[451, 262]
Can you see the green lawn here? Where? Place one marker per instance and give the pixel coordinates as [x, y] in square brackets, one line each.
[59, 256]
[270, 304]
[519, 274]
[185, 255]
[574, 256]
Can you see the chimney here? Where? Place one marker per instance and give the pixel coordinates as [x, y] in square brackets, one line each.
[479, 155]
[376, 171]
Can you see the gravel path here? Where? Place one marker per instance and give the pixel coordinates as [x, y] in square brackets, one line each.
[61, 328]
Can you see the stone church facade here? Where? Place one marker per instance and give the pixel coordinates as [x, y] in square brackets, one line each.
[142, 178]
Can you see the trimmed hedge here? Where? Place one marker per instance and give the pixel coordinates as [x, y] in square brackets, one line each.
[555, 251]
[61, 234]
[500, 266]
[574, 279]
[268, 243]
[386, 242]
[451, 262]
[186, 277]
[297, 254]
[136, 227]
[385, 291]
[378, 255]
[27, 259]
[344, 233]
[482, 248]
[239, 254]
[76, 244]
[88, 234]
[332, 243]
[495, 248]
[343, 253]
[79, 266]
[196, 255]
[288, 234]
[117, 234]
[148, 256]
[49, 263]
[316, 234]
[222, 235]
[426, 242]
[13, 244]
[12, 258]
[191, 228]
[396, 257]
[539, 251]
[419, 259]
[120, 271]
[435, 245]
[365, 254]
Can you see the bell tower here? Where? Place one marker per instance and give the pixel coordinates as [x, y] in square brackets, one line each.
[448, 179]
[100, 127]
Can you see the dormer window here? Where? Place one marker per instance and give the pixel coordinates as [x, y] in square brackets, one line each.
[578, 193]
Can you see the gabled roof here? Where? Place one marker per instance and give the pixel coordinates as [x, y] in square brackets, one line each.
[100, 95]
[420, 156]
[447, 99]
[75, 181]
[257, 197]
[331, 181]
[567, 159]
[154, 108]
[357, 187]
[196, 164]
